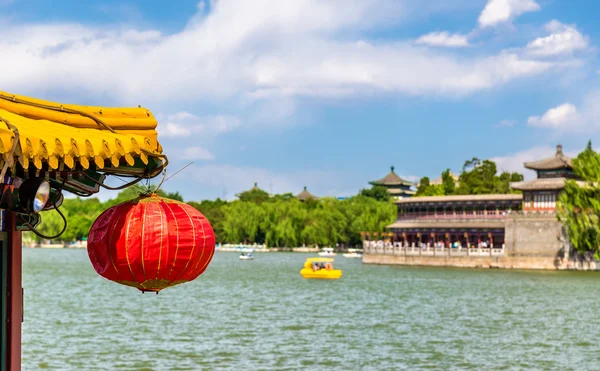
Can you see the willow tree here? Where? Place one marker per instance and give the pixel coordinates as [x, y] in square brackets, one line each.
[282, 222]
[242, 221]
[325, 224]
[579, 207]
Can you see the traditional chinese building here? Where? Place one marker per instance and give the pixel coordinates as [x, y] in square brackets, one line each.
[517, 230]
[541, 194]
[306, 195]
[396, 186]
[468, 220]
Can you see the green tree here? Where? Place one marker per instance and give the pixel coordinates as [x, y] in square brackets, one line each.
[479, 177]
[283, 221]
[52, 223]
[427, 189]
[242, 221]
[214, 212]
[255, 195]
[448, 183]
[579, 206]
[424, 185]
[174, 196]
[379, 193]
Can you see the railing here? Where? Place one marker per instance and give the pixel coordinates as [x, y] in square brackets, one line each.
[428, 250]
[467, 215]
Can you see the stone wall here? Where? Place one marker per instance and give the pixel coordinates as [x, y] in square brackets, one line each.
[533, 235]
[504, 262]
[532, 241]
[501, 262]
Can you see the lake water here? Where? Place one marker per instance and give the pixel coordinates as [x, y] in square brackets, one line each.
[261, 315]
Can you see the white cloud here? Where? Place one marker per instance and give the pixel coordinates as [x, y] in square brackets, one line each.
[197, 153]
[184, 124]
[564, 39]
[363, 68]
[443, 39]
[559, 116]
[568, 119]
[254, 49]
[500, 11]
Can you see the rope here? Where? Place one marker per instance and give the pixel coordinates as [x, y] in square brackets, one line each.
[157, 171]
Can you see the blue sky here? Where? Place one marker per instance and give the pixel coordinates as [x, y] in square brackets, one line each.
[327, 94]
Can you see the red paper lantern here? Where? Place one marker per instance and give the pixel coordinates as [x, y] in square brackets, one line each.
[151, 243]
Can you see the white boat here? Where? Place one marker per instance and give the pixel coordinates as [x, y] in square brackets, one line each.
[353, 254]
[246, 254]
[327, 251]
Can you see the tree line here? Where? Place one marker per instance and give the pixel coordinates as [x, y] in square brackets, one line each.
[579, 204]
[284, 221]
[257, 217]
[477, 177]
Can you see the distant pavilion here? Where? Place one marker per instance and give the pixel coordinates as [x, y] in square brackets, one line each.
[254, 188]
[541, 194]
[397, 187]
[306, 195]
[440, 180]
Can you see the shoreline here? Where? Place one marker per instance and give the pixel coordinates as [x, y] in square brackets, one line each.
[269, 249]
[539, 263]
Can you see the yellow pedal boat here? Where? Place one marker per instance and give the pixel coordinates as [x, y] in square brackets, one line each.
[320, 268]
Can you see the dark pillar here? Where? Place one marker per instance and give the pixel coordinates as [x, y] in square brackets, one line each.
[14, 294]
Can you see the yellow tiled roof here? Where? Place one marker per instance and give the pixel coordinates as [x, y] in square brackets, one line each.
[59, 134]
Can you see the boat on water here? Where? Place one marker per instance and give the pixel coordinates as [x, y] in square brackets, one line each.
[326, 251]
[246, 254]
[320, 268]
[353, 254]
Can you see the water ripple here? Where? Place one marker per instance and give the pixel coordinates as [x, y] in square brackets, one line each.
[261, 315]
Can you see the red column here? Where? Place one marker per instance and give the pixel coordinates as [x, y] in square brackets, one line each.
[14, 299]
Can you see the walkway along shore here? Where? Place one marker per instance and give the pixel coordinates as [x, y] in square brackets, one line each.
[263, 248]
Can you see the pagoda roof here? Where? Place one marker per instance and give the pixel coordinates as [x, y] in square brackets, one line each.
[306, 195]
[399, 191]
[57, 140]
[558, 161]
[254, 188]
[439, 180]
[391, 179]
[461, 198]
[542, 184]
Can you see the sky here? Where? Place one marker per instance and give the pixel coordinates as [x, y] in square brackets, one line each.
[326, 94]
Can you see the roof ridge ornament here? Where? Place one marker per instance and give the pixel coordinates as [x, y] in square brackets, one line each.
[392, 168]
[559, 151]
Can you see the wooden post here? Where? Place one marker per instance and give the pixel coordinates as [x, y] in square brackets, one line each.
[14, 299]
